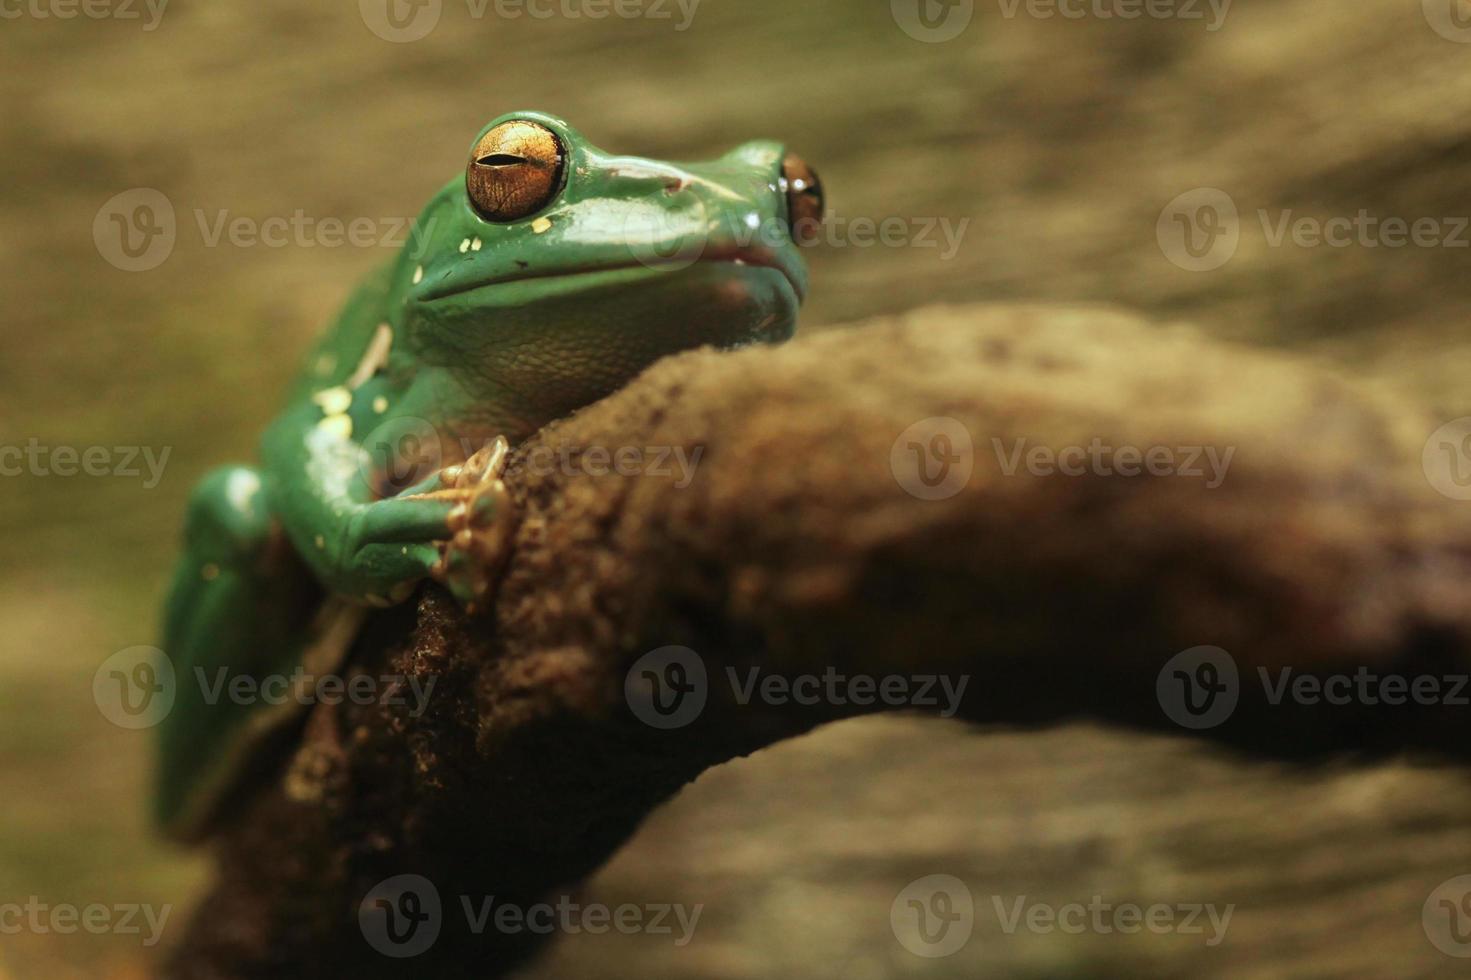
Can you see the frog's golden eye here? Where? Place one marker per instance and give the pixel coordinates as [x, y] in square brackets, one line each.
[805, 204]
[515, 170]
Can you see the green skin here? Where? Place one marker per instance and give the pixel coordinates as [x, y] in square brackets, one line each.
[640, 259]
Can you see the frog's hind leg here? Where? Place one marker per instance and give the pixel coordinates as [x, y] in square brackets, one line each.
[239, 607]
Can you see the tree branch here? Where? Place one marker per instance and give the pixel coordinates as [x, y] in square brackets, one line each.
[1311, 539]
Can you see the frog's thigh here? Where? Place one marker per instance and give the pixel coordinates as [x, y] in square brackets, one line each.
[235, 616]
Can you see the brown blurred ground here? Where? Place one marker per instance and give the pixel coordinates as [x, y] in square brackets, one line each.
[1060, 141]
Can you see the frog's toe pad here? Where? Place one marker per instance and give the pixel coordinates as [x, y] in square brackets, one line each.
[481, 528]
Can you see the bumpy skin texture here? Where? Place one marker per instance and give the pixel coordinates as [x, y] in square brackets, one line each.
[478, 331]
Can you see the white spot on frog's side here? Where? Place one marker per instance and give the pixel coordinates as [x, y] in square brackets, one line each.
[375, 358]
[240, 490]
[337, 426]
[541, 225]
[753, 221]
[333, 401]
[475, 245]
[380, 404]
[326, 364]
[418, 274]
[320, 542]
[464, 246]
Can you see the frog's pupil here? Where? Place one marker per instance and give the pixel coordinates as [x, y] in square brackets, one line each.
[501, 160]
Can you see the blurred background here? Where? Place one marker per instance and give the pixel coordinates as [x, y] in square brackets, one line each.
[1060, 146]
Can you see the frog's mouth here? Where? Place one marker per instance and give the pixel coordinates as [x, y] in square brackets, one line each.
[738, 257]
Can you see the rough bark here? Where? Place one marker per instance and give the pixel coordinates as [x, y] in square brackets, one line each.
[796, 549]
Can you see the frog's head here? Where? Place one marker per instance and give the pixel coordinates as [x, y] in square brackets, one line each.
[552, 272]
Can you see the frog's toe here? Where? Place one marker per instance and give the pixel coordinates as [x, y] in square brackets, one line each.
[485, 467]
[481, 530]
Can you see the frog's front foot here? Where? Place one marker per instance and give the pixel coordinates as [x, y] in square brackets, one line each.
[481, 526]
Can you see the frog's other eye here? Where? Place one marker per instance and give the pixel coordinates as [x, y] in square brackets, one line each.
[805, 203]
[515, 170]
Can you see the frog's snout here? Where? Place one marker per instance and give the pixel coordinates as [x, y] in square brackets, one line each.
[803, 198]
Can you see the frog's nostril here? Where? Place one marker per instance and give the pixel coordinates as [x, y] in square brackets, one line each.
[673, 185]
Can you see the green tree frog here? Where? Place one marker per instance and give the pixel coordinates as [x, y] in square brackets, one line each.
[542, 279]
